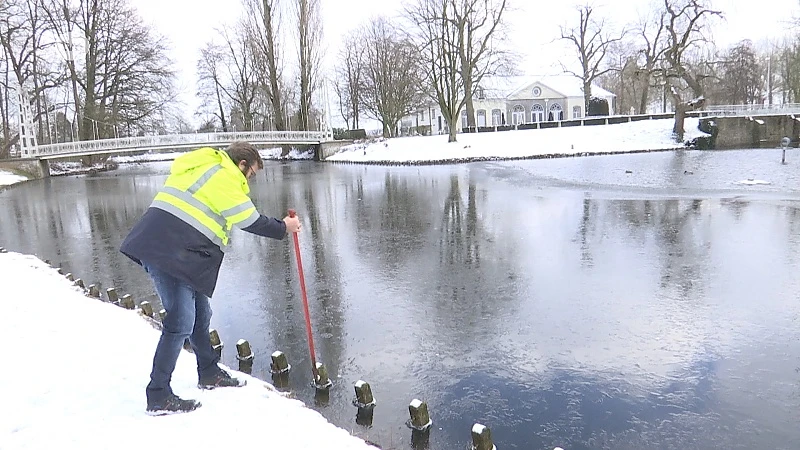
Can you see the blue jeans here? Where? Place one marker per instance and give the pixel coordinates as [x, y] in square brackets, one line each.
[188, 315]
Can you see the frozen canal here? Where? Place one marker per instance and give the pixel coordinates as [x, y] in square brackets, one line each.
[620, 302]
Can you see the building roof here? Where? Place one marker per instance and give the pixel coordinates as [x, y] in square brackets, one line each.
[566, 85]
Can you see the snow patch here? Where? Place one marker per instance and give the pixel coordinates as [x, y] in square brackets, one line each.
[478, 428]
[753, 182]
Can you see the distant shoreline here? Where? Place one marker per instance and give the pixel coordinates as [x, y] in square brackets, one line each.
[500, 158]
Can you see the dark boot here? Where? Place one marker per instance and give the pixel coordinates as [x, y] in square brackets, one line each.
[171, 405]
[220, 379]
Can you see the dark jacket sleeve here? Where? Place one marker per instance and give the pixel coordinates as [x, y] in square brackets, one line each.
[268, 227]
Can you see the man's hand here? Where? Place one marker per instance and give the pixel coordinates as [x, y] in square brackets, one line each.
[292, 224]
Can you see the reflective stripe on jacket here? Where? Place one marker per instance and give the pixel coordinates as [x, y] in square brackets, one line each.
[207, 190]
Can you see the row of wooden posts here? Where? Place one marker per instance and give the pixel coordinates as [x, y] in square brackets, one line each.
[419, 422]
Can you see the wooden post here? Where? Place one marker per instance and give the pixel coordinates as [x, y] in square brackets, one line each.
[59, 271]
[127, 302]
[69, 277]
[94, 291]
[322, 382]
[3, 250]
[245, 356]
[364, 398]
[215, 342]
[243, 351]
[161, 314]
[79, 283]
[280, 380]
[147, 308]
[279, 363]
[420, 420]
[111, 293]
[481, 438]
[322, 397]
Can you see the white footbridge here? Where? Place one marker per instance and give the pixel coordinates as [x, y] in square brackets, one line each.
[173, 141]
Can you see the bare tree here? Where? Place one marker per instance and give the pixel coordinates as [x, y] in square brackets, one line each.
[789, 70]
[310, 35]
[62, 16]
[685, 23]
[125, 80]
[264, 20]
[652, 35]
[242, 75]
[625, 79]
[391, 82]
[6, 140]
[22, 38]
[349, 78]
[592, 40]
[438, 40]
[478, 23]
[741, 79]
[210, 82]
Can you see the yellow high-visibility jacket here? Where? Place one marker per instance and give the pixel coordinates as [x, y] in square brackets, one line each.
[208, 191]
[187, 227]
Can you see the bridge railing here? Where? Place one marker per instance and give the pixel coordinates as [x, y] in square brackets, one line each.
[183, 140]
[742, 110]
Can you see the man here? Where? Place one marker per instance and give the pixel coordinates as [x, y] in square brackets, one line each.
[180, 241]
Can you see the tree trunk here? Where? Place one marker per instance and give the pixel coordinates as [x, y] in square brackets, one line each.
[680, 115]
[305, 95]
[587, 96]
[4, 144]
[468, 97]
[451, 122]
[645, 93]
[274, 75]
[222, 118]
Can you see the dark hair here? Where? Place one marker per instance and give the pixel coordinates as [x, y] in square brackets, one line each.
[241, 150]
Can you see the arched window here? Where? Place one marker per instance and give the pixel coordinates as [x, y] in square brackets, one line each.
[537, 113]
[518, 115]
[556, 112]
[481, 93]
[576, 112]
[481, 117]
[497, 117]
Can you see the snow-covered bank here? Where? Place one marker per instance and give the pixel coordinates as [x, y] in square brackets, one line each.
[8, 178]
[649, 135]
[76, 369]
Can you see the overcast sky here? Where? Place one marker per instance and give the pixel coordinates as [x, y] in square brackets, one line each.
[534, 25]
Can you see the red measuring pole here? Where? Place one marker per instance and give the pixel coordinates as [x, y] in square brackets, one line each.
[293, 213]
